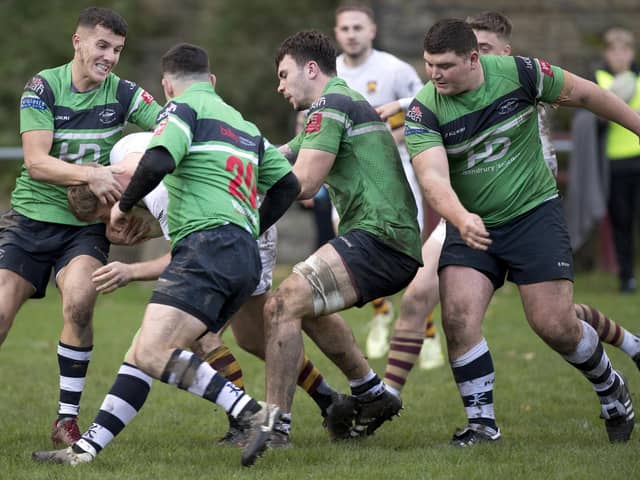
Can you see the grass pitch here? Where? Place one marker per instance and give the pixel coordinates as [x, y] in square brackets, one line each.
[547, 411]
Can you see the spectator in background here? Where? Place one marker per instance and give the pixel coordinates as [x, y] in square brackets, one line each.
[619, 74]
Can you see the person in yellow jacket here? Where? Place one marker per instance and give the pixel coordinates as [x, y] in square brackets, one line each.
[621, 75]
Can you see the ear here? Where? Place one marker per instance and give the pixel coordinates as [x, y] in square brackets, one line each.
[507, 49]
[167, 87]
[474, 58]
[311, 69]
[212, 79]
[75, 41]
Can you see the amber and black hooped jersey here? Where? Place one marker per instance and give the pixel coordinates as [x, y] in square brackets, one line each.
[496, 161]
[85, 125]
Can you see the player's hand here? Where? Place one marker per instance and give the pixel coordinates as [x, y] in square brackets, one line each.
[388, 109]
[118, 218]
[104, 185]
[308, 202]
[111, 277]
[474, 233]
[131, 231]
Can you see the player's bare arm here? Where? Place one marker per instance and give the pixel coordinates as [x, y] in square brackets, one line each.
[312, 167]
[432, 170]
[388, 109]
[286, 151]
[579, 92]
[36, 145]
[117, 274]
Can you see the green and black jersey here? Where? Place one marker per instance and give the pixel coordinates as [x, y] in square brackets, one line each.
[85, 127]
[222, 163]
[367, 183]
[496, 161]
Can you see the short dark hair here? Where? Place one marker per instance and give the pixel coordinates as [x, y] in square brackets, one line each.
[309, 45]
[82, 202]
[493, 22]
[450, 34]
[185, 59]
[356, 7]
[91, 17]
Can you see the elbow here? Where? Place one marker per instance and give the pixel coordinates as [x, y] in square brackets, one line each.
[34, 171]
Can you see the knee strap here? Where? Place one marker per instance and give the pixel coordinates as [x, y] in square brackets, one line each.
[327, 297]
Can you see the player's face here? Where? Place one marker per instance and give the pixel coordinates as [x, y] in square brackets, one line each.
[449, 72]
[490, 44]
[97, 52]
[354, 33]
[293, 83]
[619, 57]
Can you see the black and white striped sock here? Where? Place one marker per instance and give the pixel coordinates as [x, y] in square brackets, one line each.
[119, 407]
[189, 372]
[73, 363]
[593, 362]
[475, 376]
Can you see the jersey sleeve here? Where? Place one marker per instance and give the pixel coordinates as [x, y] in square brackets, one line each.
[326, 123]
[141, 107]
[541, 80]
[36, 105]
[273, 166]
[408, 83]
[422, 129]
[174, 130]
[295, 142]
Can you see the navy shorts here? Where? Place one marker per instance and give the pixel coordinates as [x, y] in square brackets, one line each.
[531, 248]
[32, 248]
[211, 274]
[376, 269]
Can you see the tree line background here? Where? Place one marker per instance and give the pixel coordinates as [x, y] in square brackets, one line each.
[241, 38]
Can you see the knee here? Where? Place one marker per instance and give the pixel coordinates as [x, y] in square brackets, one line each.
[78, 308]
[459, 327]
[561, 334]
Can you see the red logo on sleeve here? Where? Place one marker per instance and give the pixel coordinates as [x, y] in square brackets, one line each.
[545, 67]
[147, 97]
[160, 127]
[314, 123]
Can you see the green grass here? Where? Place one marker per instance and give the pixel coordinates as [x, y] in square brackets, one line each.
[547, 411]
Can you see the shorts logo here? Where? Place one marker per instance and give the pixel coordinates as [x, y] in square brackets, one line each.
[314, 123]
[372, 86]
[107, 116]
[147, 97]
[545, 67]
[1, 253]
[563, 265]
[415, 114]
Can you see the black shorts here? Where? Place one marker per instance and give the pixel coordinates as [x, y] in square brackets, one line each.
[531, 248]
[32, 248]
[376, 269]
[211, 274]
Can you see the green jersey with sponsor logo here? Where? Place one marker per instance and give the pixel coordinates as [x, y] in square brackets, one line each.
[367, 183]
[496, 160]
[222, 163]
[85, 127]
